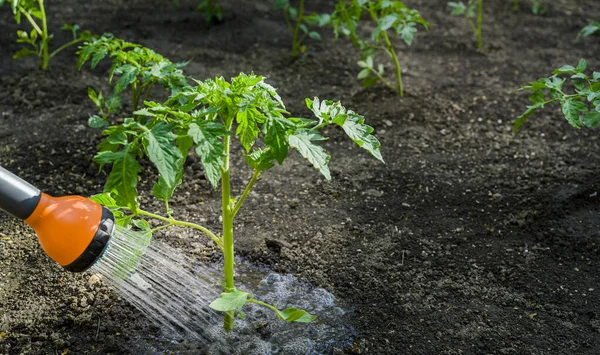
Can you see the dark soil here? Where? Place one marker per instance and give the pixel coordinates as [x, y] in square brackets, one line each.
[470, 240]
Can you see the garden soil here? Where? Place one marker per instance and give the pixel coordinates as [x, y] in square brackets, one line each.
[469, 240]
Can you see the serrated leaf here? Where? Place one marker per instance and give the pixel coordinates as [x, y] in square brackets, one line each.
[98, 56]
[123, 178]
[524, 116]
[537, 97]
[571, 110]
[260, 159]
[162, 152]
[386, 22]
[302, 140]
[276, 130]
[209, 146]
[247, 128]
[360, 133]
[591, 119]
[128, 75]
[230, 301]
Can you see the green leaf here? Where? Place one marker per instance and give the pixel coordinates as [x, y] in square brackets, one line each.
[360, 133]
[296, 315]
[209, 146]
[314, 35]
[128, 75]
[571, 110]
[281, 4]
[123, 177]
[363, 74]
[407, 32]
[96, 121]
[23, 52]
[591, 119]
[521, 119]
[581, 66]
[302, 140]
[275, 130]
[247, 128]
[386, 22]
[230, 301]
[98, 56]
[457, 8]
[260, 159]
[162, 152]
[537, 97]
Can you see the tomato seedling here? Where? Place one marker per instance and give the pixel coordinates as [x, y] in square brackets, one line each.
[138, 68]
[37, 40]
[537, 7]
[299, 24]
[207, 116]
[210, 10]
[391, 19]
[581, 107]
[468, 12]
[590, 29]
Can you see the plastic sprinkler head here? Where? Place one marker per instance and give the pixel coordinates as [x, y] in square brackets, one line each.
[74, 231]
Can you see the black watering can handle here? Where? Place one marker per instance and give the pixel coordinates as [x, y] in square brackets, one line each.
[17, 196]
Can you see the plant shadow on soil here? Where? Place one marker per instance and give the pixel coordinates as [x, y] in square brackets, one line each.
[469, 240]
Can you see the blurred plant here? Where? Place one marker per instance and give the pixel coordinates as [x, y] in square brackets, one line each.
[37, 40]
[299, 24]
[590, 29]
[207, 116]
[138, 68]
[536, 6]
[210, 10]
[581, 107]
[392, 19]
[468, 12]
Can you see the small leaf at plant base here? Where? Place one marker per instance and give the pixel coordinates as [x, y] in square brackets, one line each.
[296, 315]
[230, 301]
[97, 122]
[314, 35]
[23, 52]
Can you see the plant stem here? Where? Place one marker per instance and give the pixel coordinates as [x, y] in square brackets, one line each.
[242, 198]
[228, 252]
[479, 24]
[135, 96]
[175, 222]
[392, 53]
[296, 43]
[64, 46]
[45, 58]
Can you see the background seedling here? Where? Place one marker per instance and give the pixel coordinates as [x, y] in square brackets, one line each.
[299, 24]
[37, 40]
[590, 29]
[210, 10]
[392, 19]
[469, 10]
[138, 68]
[207, 116]
[537, 7]
[581, 108]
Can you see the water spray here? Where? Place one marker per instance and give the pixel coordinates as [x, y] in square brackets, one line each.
[73, 231]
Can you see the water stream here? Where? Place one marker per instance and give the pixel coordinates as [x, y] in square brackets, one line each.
[174, 291]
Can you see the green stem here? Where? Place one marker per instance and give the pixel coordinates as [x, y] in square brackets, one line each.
[31, 21]
[273, 308]
[296, 43]
[287, 19]
[175, 222]
[383, 80]
[148, 91]
[479, 24]
[64, 46]
[228, 251]
[392, 53]
[242, 198]
[515, 5]
[45, 39]
[135, 96]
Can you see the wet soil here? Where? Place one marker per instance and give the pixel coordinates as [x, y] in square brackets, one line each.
[469, 240]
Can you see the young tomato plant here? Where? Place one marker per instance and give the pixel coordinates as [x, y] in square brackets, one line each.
[468, 12]
[537, 7]
[208, 116]
[299, 24]
[210, 10]
[392, 19]
[138, 68]
[581, 106]
[37, 40]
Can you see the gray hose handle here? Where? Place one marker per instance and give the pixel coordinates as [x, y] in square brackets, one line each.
[17, 196]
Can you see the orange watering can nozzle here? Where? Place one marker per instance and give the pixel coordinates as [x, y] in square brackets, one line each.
[74, 231]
